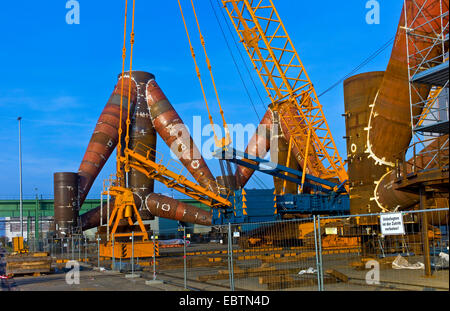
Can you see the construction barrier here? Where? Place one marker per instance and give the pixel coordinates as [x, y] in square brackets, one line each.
[407, 250]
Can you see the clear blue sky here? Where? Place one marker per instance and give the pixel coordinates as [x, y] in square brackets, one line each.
[58, 77]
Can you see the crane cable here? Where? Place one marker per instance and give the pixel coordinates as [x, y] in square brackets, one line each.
[225, 141]
[227, 22]
[120, 175]
[119, 143]
[365, 62]
[127, 137]
[235, 62]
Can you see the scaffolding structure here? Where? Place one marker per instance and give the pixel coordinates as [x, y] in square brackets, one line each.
[427, 38]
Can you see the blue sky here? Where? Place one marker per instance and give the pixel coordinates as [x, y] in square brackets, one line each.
[58, 77]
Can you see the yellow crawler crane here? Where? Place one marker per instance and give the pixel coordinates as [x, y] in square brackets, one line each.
[288, 86]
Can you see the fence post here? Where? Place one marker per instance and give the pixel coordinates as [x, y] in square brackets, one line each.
[79, 248]
[72, 248]
[426, 242]
[184, 257]
[230, 256]
[132, 253]
[113, 258]
[154, 257]
[317, 253]
[98, 252]
[320, 252]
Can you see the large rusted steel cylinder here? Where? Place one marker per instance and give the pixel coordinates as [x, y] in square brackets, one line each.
[141, 132]
[359, 93]
[165, 207]
[91, 219]
[66, 202]
[386, 193]
[258, 146]
[105, 136]
[175, 134]
[226, 184]
[389, 128]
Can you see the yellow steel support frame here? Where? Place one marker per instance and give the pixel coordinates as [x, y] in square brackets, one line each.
[143, 161]
[307, 152]
[124, 208]
[285, 79]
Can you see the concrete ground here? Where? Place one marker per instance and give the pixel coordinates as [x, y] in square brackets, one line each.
[94, 280]
[91, 279]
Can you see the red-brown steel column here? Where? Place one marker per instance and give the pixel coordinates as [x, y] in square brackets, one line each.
[165, 207]
[258, 146]
[175, 134]
[105, 137]
[66, 203]
[141, 132]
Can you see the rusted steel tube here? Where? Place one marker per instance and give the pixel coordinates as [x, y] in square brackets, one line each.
[105, 136]
[258, 146]
[165, 207]
[91, 219]
[386, 194]
[389, 128]
[175, 134]
[141, 132]
[66, 203]
[226, 183]
[359, 93]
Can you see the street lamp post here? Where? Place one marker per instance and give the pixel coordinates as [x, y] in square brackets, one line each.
[20, 177]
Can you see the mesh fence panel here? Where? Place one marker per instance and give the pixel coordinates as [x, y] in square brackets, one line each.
[414, 260]
[309, 254]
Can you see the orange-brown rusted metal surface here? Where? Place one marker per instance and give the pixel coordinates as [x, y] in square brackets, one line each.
[141, 131]
[66, 204]
[226, 183]
[387, 195]
[91, 219]
[359, 93]
[165, 207]
[389, 128]
[258, 146]
[105, 137]
[173, 131]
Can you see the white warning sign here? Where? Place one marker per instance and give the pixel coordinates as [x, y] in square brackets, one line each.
[392, 224]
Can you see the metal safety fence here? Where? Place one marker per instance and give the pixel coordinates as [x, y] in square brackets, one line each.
[393, 251]
[388, 251]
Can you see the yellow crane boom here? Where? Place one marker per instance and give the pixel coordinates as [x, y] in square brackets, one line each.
[287, 84]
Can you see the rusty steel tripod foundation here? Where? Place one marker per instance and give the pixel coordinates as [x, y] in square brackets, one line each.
[150, 113]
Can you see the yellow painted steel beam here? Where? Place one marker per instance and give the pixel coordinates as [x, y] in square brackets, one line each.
[160, 172]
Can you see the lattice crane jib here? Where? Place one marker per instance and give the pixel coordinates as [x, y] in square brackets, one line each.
[287, 84]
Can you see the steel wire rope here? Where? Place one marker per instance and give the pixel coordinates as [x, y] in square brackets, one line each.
[242, 57]
[234, 60]
[361, 65]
